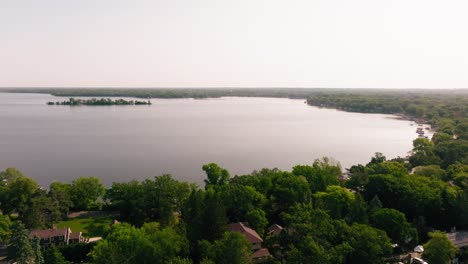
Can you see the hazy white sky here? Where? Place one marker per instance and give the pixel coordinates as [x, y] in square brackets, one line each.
[234, 43]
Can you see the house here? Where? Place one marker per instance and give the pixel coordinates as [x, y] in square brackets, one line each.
[56, 236]
[459, 238]
[251, 235]
[275, 230]
[259, 254]
[76, 237]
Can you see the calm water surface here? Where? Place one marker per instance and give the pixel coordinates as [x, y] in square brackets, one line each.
[178, 136]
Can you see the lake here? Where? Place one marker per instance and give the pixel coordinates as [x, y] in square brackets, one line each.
[178, 136]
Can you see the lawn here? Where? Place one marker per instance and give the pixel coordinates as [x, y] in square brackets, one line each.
[91, 226]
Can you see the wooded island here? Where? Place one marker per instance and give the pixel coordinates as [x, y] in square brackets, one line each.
[100, 101]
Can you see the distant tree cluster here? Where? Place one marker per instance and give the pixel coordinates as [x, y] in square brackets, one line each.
[101, 101]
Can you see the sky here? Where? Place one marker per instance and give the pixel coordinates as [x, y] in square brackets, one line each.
[234, 43]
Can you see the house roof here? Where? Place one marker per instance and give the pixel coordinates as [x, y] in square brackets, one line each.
[275, 229]
[261, 253]
[248, 232]
[75, 235]
[459, 238]
[48, 233]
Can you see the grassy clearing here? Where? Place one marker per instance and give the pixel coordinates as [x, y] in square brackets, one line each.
[91, 226]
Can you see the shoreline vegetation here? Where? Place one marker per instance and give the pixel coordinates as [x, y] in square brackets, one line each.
[100, 101]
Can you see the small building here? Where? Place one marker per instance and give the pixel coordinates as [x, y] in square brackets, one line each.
[56, 236]
[251, 235]
[259, 254]
[459, 238]
[76, 237]
[275, 230]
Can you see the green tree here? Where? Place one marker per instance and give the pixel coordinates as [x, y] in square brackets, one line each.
[321, 174]
[85, 191]
[239, 199]
[42, 212]
[316, 237]
[376, 159]
[375, 204]
[441, 137]
[20, 248]
[151, 200]
[215, 175]
[431, 171]
[179, 260]
[18, 195]
[232, 248]
[129, 199]
[358, 211]
[439, 249]
[36, 247]
[257, 220]
[166, 242]
[369, 245]
[192, 214]
[394, 223]
[5, 229]
[125, 244]
[9, 175]
[149, 244]
[164, 196]
[358, 177]
[288, 189]
[53, 256]
[214, 216]
[335, 200]
[387, 167]
[60, 192]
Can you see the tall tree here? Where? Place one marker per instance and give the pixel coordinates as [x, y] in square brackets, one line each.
[257, 220]
[394, 223]
[42, 212]
[164, 196]
[60, 192]
[20, 248]
[53, 256]
[214, 216]
[321, 174]
[439, 249]
[335, 200]
[85, 191]
[36, 247]
[5, 229]
[369, 245]
[193, 216]
[232, 248]
[18, 194]
[215, 175]
[125, 244]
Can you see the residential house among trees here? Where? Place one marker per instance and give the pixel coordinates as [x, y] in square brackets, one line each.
[459, 238]
[56, 236]
[252, 236]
